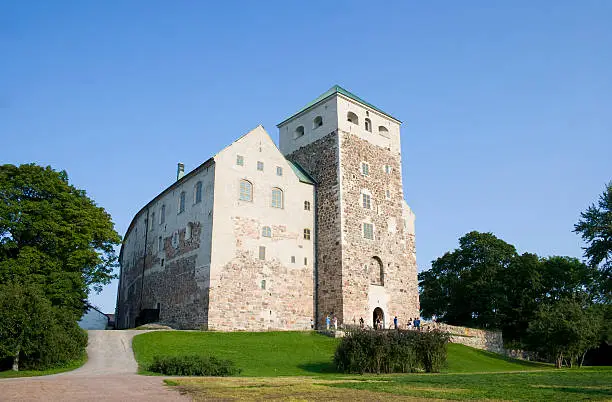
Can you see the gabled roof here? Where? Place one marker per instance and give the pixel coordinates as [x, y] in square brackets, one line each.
[336, 89]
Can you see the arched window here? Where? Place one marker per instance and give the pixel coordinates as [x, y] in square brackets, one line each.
[246, 190]
[377, 272]
[198, 192]
[188, 231]
[266, 231]
[181, 202]
[277, 198]
[368, 125]
[299, 131]
[352, 118]
[306, 205]
[317, 122]
[382, 130]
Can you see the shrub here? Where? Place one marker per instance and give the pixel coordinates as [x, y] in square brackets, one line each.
[193, 365]
[391, 352]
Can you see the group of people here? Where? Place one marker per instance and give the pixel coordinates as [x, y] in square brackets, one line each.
[332, 321]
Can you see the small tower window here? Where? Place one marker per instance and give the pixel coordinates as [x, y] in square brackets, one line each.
[299, 132]
[188, 231]
[162, 215]
[260, 166]
[365, 169]
[366, 201]
[368, 231]
[388, 194]
[368, 125]
[306, 234]
[262, 253]
[246, 190]
[293, 259]
[182, 202]
[266, 231]
[352, 118]
[305, 261]
[382, 130]
[388, 169]
[263, 284]
[277, 198]
[279, 171]
[306, 205]
[239, 160]
[160, 244]
[317, 122]
[152, 220]
[198, 192]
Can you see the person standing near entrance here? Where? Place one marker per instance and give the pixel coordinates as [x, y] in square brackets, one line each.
[417, 324]
[335, 323]
[395, 322]
[327, 321]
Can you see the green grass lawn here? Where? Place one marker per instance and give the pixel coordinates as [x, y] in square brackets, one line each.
[259, 354]
[298, 365]
[33, 373]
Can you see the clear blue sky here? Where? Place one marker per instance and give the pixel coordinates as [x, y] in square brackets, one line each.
[507, 106]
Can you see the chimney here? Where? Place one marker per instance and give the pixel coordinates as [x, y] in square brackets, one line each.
[180, 171]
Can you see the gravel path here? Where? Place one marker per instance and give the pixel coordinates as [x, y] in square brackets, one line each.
[108, 375]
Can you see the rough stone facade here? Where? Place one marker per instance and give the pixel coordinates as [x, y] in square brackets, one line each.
[320, 160]
[475, 338]
[364, 286]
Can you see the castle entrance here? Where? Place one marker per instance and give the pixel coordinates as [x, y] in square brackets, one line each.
[378, 318]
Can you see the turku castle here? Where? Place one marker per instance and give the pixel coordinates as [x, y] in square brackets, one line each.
[263, 237]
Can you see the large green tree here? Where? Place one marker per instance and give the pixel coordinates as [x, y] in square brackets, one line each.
[595, 227]
[565, 330]
[462, 286]
[54, 236]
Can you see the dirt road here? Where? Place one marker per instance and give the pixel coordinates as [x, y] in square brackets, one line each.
[108, 375]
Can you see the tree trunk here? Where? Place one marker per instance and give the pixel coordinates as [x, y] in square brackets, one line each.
[582, 360]
[559, 361]
[16, 359]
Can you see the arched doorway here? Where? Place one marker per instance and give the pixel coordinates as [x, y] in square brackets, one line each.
[378, 318]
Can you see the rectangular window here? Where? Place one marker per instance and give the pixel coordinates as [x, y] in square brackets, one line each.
[152, 221]
[262, 253]
[305, 261]
[368, 231]
[293, 259]
[387, 169]
[263, 284]
[306, 234]
[181, 202]
[365, 169]
[367, 201]
[388, 194]
[306, 205]
[279, 171]
[162, 215]
[260, 166]
[160, 244]
[239, 160]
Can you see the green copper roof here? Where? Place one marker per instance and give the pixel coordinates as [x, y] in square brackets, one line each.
[301, 173]
[333, 90]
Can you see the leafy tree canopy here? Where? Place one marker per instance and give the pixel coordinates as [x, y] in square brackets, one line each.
[595, 228]
[53, 235]
[485, 283]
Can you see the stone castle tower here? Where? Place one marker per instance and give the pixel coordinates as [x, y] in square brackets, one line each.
[365, 245]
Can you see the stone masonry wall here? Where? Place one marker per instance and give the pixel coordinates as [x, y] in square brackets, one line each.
[320, 160]
[243, 301]
[392, 245]
[476, 338]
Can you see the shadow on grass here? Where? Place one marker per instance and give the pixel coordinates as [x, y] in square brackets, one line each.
[524, 363]
[319, 368]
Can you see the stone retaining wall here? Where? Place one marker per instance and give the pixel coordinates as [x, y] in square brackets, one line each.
[475, 338]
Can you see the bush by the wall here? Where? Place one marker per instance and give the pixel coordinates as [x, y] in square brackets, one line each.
[391, 352]
[193, 365]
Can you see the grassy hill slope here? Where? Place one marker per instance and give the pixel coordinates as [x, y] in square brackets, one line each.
[269, 354]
